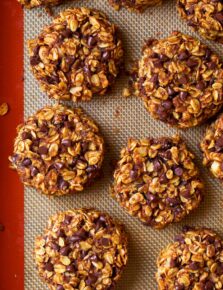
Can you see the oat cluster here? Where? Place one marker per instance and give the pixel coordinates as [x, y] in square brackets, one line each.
[77, 56]
[35, 3]
[212, 147]
[157, 181]
[134, 5]
[58, 150]
[180, 80]
[81, 249]
[204, 16]
[193, 261]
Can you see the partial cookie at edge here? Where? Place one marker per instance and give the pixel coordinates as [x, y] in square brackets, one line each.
[81, 249]
[179, 79]
[134, 6]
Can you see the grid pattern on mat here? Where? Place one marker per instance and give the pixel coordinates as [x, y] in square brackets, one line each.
[119, 119]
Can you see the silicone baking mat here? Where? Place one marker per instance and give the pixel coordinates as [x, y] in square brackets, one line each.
[119, 118]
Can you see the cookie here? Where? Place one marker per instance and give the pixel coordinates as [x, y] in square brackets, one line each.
[35, 3]
[58, 150]
[192, 261]
[77, 56]
[81, 249]
[204, 16]
[157, 181]
[135, 6]
[212, 148]
[180, 80]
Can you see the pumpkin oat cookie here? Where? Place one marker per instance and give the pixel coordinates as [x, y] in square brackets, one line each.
[58, 150]
[81, 249]
[204, 16]
[135, 5]
[193, 261]
[36, 3]
[212, 148]
[77, 56]
[157, 181]
[179, 79]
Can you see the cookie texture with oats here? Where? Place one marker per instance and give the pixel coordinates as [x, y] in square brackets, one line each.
[36, 3]
[157, 181]
[212, 148]
[179, 79]
[58, 150]
[77, 56]
[192, 261]
[204, 16]
[135, 5]
[81, 249]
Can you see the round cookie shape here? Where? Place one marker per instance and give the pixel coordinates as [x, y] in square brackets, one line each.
[212, 148]
[192, 261]
[135, 6]
[180, 80]
[157, 181]
[58, 150]
[204, 16]
[77, 56]
[81, 249]
[35, 3]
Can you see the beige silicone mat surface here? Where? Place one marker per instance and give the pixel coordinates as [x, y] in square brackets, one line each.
[119, 119]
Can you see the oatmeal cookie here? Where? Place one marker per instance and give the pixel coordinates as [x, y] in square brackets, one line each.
[81, 249]
[77, 56]
[58, 150]
[135, 5]
[204, 16]
[35, 3]
[192, 261]
[157, 181]
[180, 80]
[212, 148]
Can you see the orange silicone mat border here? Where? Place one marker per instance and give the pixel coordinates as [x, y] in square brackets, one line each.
[11, 190]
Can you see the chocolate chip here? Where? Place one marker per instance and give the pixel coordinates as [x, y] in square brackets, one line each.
[49, 267]
[183, 80]
[34, 171]
[65, 251]
[211, 65]
[52, 80]
[26, 162]
[26, 135]
[71, 269]
[91, 41]
[63, 185]
[44, 128]
[194, 266]
[92, 278]
[66, 142]
[150, 197]
[163, 57]
[207, 54]
[55, 247]
[100, 223]
[163, 178]
[219, 142]
[179, 287]
[178, 171]
[61, 233]
[66, 33]
[190, 10]
[58, 165]
[106, 56]
[209, 285]
[105, 242]
[133, 174]
[167, 104]
[179, 238]
[191, 62]
[67, 219]
[201, 85]
[210, 239]
[173, 201]
[156, 164]
[183, 95]
[43, 150]
[170, 91]
[154, 79]
[80, 235]
[219, 16]
[158, 63]
[219, 269]
[183, 55]
[60, 287]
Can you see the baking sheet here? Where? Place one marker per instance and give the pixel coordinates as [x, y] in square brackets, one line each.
[119, 119]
